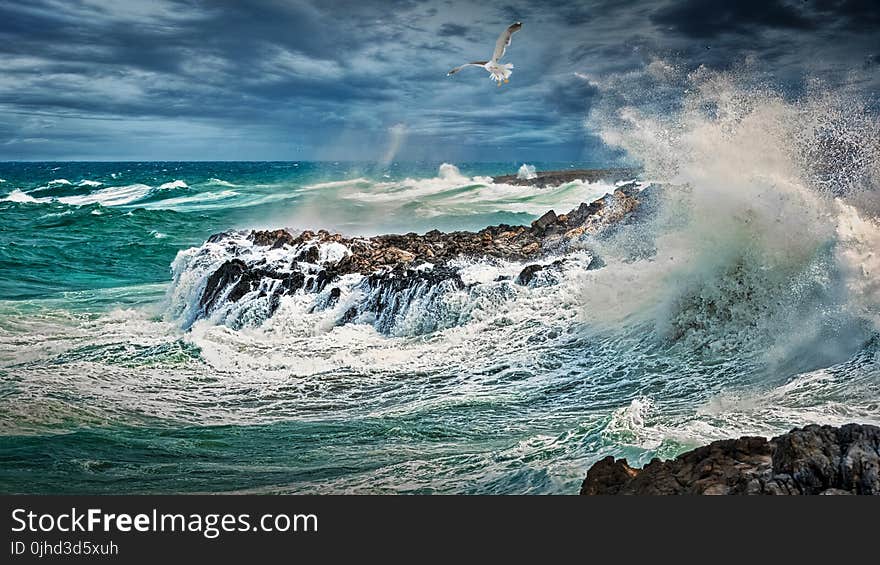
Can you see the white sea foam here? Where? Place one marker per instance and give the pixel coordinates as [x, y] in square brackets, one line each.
[18, 195]
[89, 183]
[332, 252]
[221, 182]
[110, 196]
[173, 184]
[748, 249]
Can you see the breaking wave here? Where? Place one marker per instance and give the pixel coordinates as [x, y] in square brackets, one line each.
[221, 182]
[763, 239]
[173, 184]
[18, 195]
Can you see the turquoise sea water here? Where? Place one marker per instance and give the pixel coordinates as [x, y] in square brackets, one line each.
[103, 390]
[82, 226]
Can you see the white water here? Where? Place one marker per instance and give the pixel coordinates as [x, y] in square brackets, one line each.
[18, 195]
[750, 244]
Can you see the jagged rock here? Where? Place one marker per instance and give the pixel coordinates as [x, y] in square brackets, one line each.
[229, 273]
[527, 274]
[310, 254]
[809, 460]
[545, 220]
[274, 238]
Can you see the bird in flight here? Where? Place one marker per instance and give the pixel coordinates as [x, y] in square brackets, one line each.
[497, 71]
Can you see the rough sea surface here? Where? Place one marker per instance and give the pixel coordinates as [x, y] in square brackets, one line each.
[747, 302]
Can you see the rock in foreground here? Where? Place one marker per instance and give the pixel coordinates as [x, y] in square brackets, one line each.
[810, 460]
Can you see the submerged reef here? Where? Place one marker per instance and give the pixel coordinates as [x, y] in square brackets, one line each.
[809, 460]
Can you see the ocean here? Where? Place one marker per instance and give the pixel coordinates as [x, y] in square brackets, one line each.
[745, 303]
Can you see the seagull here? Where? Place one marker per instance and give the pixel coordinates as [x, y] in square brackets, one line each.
[497, 71]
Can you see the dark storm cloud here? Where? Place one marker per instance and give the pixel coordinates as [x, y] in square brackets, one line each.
[306, 79]
[860, 15]
[708, 18]
[453, 30]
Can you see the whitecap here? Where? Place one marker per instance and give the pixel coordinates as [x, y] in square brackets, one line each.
[221, 182]
[18, 196]
[173, 184]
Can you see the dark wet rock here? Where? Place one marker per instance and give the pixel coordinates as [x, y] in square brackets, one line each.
[335, 292]
[392, 263]
[274, 238]
[217, 237]
[349, 315]
[527, 274]
[310, 254]
[547, 219]
[229, 273]
[809, 460]
[556, 178]
[596, 262]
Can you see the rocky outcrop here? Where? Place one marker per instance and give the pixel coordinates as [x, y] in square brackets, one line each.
[809, 460]
[266, 265]
[556, 178]
[519, 243]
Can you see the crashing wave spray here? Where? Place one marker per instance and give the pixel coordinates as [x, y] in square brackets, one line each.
[765, 235]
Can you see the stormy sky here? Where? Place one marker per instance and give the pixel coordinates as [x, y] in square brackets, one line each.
[366, 79]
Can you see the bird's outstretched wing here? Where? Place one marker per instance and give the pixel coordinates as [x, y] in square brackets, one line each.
[504, 40]
[474, 64]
